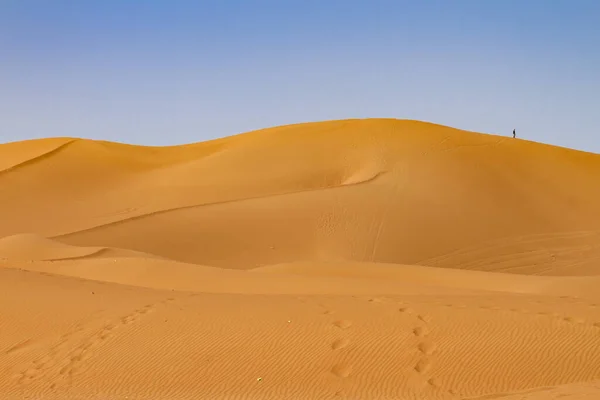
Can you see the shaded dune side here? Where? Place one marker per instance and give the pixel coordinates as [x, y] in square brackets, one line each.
[584, 287]
[335, 225]
[110, 265]
[561, 253]
[357, 179]
[176, 276]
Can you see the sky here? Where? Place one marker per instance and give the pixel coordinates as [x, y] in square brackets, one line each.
[175, 71]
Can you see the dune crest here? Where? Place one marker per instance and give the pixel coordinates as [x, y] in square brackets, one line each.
[32, 247]
[378, 258]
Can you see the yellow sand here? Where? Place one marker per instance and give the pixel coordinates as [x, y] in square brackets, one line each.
[355, 259]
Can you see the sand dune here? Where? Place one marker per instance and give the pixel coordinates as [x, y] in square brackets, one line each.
[446, 277]
[366, 190]
[32, 247]
[354, 259]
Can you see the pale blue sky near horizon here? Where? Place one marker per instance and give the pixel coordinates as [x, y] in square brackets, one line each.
[170, 72]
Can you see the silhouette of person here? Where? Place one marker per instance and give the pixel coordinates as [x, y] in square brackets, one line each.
[514, 133]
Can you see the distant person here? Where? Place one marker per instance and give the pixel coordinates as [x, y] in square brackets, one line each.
[514, 133]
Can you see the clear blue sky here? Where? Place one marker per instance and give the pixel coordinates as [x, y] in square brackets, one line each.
[174, 71]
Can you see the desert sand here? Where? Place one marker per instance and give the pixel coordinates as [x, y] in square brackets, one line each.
[354, 259]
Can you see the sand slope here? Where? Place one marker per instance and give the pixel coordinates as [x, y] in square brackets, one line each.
[364, 190]
[354, 259]
[32, 248]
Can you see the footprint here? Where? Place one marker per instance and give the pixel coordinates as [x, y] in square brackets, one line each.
[343, 324]
[341, 370]
[19, 346]
[574, 320]
[406, 310]
[424, 318]
[42, 361]
[327, 312]
[340, 344]
[76, 355]
[423, 366]
[427, 348]
[129, 319]
[104, 334]
[377, 300]
[433, 382]
[421, 331]
[597, 324]
[110, 327]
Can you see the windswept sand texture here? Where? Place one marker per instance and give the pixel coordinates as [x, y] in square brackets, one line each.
[356, 259]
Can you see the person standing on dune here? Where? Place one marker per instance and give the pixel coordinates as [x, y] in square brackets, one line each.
[514, 133]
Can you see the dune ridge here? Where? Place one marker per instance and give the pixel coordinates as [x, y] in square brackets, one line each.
[26, 153]
[31, 248]
[377, 258]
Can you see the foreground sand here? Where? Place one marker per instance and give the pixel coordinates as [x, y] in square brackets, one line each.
[360, 259]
